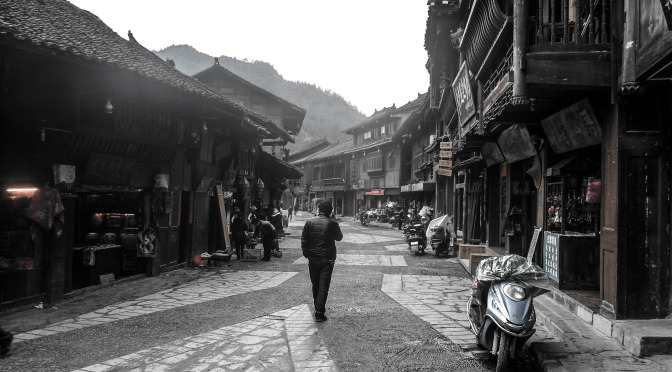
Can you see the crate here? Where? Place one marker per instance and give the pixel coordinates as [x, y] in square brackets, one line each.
[253, 254]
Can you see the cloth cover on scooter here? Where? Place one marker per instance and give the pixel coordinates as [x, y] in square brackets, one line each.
[515, 267]
[438, 222]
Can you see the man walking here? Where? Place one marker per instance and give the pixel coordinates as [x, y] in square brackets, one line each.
[318, 242]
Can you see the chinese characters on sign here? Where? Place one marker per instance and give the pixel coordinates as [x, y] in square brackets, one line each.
[551, 254]
[463, 95]
[445, 163]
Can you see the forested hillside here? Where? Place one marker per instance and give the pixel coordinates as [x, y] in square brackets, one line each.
[328, 114]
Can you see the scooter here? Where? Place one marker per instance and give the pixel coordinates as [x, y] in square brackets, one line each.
[439, 235]
[417, 240]
[501, 309]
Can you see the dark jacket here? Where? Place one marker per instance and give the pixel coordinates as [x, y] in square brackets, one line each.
[319, 237]
[239, 229]
[264, 229]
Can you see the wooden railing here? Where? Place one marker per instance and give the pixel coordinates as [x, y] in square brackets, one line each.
[572, 22]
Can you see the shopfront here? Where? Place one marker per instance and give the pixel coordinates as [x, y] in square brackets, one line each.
[572, 208]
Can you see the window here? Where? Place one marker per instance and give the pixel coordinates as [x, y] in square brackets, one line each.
[391, 160]
[367, 135]
[382, 130]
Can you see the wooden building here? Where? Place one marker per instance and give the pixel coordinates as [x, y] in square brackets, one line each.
[379, 156]
[131, 151]
[558, 113]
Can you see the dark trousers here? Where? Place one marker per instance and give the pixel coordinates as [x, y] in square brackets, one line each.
[268, 242]
[240, 245]
[320, 276]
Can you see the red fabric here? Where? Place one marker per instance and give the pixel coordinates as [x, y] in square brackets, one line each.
[46, 208]
[594, 191]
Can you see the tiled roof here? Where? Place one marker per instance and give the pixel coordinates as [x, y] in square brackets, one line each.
[387, 111]
[308, 150]
[58, 27]
[216, 67]
[339, 148]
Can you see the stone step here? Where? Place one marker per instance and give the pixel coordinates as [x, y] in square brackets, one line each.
[573, 345]
[639, 337]
[645, 337]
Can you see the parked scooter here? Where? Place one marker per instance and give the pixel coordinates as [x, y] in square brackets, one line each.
[416, 237]
[439, 235]
[500, 309]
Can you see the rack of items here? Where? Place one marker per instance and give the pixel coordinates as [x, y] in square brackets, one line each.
[571, 240]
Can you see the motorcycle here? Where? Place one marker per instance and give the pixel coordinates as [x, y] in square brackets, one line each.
[364, 219]
[501, 309]
[416, 238]
[439, 235]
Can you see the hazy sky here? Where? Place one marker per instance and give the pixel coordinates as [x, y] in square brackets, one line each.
[370, 52]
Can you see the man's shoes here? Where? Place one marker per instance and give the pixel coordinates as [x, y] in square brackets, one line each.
[320, 318]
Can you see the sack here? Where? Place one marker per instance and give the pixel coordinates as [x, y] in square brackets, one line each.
[594, 191]
[277, 254]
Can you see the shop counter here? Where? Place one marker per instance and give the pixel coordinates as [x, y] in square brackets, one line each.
[90, 262]
[572, 261]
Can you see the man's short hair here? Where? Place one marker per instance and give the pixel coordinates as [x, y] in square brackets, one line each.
[325, 207]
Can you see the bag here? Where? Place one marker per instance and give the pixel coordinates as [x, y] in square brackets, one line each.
[277, 254]
[594, 191]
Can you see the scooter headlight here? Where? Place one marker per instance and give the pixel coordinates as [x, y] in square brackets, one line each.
[514, 292]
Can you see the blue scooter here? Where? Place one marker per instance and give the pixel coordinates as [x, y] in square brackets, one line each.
[501, 309]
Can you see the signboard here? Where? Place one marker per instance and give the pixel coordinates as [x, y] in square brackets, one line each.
[533, 244]
[376, 192]
[446, 154]
[446, 145]
[551, 250]
[491, 153]
[573, 127]
[667, 10]
[445, 163]
[464, 98]
[516, 143]
[445, 172]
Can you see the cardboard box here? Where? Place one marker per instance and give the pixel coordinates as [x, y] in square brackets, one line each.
[253, 254]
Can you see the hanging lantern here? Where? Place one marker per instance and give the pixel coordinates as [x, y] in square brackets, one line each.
[244, 188]
[260, 188]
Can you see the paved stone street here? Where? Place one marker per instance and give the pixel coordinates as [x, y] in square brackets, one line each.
[388, 310]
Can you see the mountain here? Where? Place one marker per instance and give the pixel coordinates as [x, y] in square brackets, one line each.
[328, 114]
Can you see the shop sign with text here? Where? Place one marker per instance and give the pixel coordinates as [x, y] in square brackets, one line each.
[464, 98]
[376, 192]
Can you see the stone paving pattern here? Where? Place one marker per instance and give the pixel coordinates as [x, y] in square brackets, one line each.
[213, 288]
[363, 260]
[283, 341]
[438, 300]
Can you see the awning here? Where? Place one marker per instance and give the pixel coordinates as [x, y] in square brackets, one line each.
[275, 167]
[419, 186]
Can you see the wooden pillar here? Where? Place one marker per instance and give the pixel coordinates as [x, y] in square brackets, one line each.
[629, 84]
[520, 11]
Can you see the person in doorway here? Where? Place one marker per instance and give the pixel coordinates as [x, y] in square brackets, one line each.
[318, 243]
[266, 231]
[239, 229]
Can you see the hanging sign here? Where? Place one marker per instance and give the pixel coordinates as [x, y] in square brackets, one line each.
[445, 172]
[491, 153]
[446, 154]
[446, 145]
[463, 95]
[445, 163]
[573, 127]
[516, 143]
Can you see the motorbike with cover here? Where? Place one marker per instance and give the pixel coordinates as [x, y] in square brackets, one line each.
[501, 309]
[439, 235]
